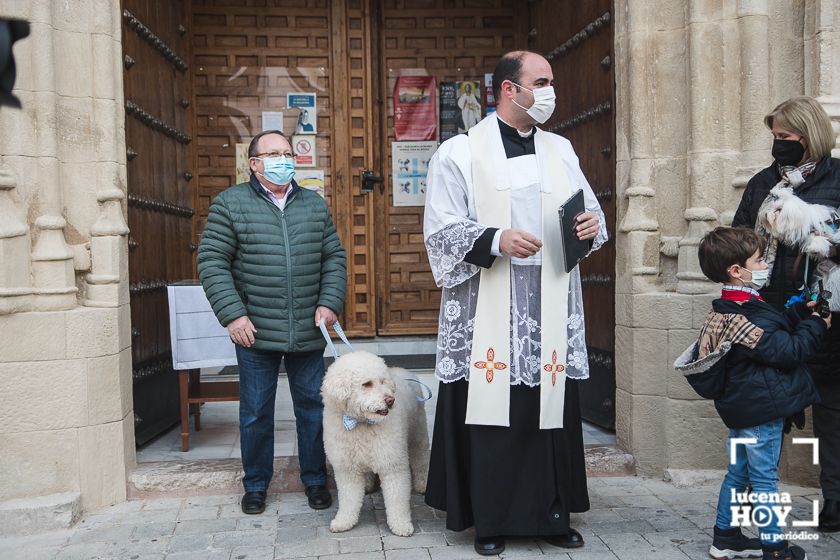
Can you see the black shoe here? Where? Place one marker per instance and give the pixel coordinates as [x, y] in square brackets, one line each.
[732, 543]
[783, 551]
[489, 546]
[572, 539]
[253, 503]
[319, 497]
[830, 517]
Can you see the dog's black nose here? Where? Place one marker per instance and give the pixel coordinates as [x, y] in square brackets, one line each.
[389, 401]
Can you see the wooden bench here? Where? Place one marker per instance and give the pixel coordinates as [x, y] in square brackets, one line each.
[193, 393]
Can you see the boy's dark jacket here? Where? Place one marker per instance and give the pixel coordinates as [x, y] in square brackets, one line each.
[753, 365]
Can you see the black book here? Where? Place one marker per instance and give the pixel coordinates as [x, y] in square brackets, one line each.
[574, 249]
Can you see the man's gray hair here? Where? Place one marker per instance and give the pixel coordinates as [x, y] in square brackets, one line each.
[252, 147]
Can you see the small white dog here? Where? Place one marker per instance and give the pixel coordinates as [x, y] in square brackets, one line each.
[812, 228]
[374, 424]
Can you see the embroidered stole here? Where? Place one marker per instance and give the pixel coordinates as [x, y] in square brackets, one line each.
[488, 398]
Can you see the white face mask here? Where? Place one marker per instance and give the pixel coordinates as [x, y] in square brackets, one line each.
[543, 105]
[757, 279]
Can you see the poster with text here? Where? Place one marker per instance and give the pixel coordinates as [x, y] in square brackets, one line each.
[305, 151]
[469, 103]
[272, 120]
[415, 108]
[307, 122]
[410, 164]
[243, 172]
[450, 116]
[312, 179]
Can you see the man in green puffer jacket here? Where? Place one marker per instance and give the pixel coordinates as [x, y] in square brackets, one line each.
[272, 266]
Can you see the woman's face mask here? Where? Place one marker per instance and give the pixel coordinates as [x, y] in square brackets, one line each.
[543, 105]
[788, 152]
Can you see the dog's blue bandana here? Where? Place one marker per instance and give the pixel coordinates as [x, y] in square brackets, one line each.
[350, 422]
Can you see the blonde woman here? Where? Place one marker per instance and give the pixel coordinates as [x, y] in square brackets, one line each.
[802, 142]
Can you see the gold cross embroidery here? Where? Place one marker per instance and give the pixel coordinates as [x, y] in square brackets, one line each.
[554, 368]
[490, 365]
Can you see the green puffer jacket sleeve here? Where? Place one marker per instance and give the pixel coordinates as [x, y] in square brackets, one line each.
[333, 270]
[215, 262]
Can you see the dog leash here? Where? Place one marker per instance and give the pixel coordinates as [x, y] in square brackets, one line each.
[339, 331]
[421, 399]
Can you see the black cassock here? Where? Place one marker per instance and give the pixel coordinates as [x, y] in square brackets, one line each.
[506, 481]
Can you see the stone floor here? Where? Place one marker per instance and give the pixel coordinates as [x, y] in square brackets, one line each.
[219, 435]
[632, 518]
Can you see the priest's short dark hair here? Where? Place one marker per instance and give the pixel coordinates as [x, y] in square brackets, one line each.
[509, 67]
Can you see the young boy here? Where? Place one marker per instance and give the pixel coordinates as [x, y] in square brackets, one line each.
[750, 358]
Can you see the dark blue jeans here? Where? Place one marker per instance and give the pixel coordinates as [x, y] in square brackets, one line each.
[258, 372]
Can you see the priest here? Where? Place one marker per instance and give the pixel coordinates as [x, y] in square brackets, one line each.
[507, 450]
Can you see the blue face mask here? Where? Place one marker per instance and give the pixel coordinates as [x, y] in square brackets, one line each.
[279, 170]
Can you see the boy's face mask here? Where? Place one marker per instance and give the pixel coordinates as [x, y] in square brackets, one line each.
[758, 278]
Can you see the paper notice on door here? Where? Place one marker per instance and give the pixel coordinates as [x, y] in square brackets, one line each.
[272, 120]
[410, 161]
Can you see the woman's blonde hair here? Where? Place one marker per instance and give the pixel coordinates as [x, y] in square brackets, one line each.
[804, 116]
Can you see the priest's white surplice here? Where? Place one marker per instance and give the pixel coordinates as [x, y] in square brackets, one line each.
[451, 228]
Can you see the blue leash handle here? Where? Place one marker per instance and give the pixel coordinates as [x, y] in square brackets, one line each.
[339, 331]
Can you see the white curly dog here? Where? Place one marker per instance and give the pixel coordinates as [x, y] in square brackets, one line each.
[374, 424]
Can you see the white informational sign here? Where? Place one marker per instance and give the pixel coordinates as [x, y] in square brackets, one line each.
[305, 152]
[312, 179]
[410, 163]
[272, 120]
[307, 122]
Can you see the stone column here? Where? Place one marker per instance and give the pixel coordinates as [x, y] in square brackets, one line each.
[15, 281]
[638, 394]
[706, 56]
[755, 93]
[52, 258]
[822, 58]
[107, 283]
[635, 161]
[66, 422]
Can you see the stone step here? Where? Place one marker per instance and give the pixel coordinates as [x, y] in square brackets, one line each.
[608, 460]
[224, 476]
[30, 516]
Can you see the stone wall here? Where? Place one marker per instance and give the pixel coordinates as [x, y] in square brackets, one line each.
[66, 423]
[694, 80]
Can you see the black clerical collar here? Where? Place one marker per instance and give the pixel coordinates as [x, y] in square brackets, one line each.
[514, 143]
[511, 132]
